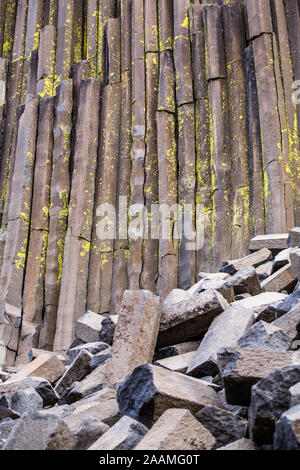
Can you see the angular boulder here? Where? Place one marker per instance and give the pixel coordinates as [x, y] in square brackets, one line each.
[47, 366]
[225, 331]
[278, 241]
[77, 371]
[245, 281]
[287, 430]
[269, 399]
[222, 424]
[263, 335]
[255, 260]
[242, 368]
[135, 334]
[124, 435]
[150, 390]
[88, 327]
[189, 318]
[177, 429]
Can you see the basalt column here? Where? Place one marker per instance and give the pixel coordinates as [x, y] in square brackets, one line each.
[141, 142]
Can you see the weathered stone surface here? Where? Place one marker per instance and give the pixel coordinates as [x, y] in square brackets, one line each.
[88, 327]
[270, 242]
[124, 435]
[278, 309]
[77, 371]
[135, 334]
[108, 327]
[22, 402]
[221, 286]
[99, 358]
[287, 430]
[283, 279]
[261, 301]
[241, 444]
[41, 386]
[40, 432]
[269, 399]
[92, 348]
[92, 383]
[176, 350]
[262, 335]
[6, 426]
[242, 368]
[295, 262]
[264, 270]
[188, 318]
[150, 390]
[225, 331]
[294, 237]
[281, 259]
[255, 260]
[245, 281]
[169, 433]
[85, 429]
[47, 366]
[294, 392]
[223, 425]
[178, 363]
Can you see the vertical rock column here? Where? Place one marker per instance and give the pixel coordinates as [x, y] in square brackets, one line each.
[15, 251]
[13, 95]
[286, 71]
[138, 149]
[58, 213]
[34, 25]
[120, 274]
[46, 62]
[64, 46]
[256, 179]
[186, 140]
[150, 244]
[167, 151]
[235, 39]
[203, 143]
[10, 10]
[276, 185]
[33, 294]
[107, 9]
[220, 134]
[92, 15]
[73, 291]
[104, 224]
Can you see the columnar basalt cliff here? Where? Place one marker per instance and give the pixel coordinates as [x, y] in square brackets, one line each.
[148, 101]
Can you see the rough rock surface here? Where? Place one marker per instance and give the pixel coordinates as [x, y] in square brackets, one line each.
[287, 431]
[223, 425]
[262, 335]
[169, 433]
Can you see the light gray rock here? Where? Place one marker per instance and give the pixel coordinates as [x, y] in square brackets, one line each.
[287, 430]
[295, 262]
[215, 276]
[40, 432]
[274, 311]
[77, 371]
[295, 394]
[85, 429]
[225, 331]
[189, 318]
[150, 390]
[221, 286]
[175, 296]
[176, 350]
[282, 259]
[262, 335]
[282, 280]
[245, 281]
[278, 241]
[124, 435]
[6, 426]
[241, 444]
[88, 327]
[241, 368]
[269, 399]
[92, 348]
[176, 363]
[261, 301]
[23, 402]
[222, 424]
[294, 237]
[255, 260]
[288, 322]
[264, 270]
[40, 385]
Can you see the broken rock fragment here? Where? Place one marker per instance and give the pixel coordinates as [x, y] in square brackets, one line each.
[245, 281]
[124, 435]
[241, 368]
[177, 429]
[287, 431]
[255, 260]
[88, 327]
[225, 331]
[47, 366]
[262, 335]
[223, 425]
[269, 399]
[77, 371]
[189, 318]
[150, 390]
